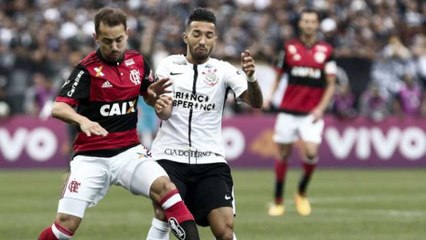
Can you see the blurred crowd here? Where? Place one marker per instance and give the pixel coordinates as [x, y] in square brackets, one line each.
[41, 40]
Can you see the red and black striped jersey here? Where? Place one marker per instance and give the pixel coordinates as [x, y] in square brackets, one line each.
[107, 93]
[306, 69]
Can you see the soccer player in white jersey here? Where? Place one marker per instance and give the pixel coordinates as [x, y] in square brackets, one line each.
[189, 144]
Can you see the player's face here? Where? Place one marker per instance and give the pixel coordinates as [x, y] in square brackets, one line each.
[112, 41]
[309, 23]
[200, 38]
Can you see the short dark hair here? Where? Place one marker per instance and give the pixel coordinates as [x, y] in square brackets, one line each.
[310, 10]
[111, 17]
[202, 15]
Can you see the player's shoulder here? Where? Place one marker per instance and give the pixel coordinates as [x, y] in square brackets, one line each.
[130, 53]
[218, 63]
[90, 59]
[177, 59]
[324, 44]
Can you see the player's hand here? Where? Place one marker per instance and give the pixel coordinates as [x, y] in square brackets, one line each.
[247, 63]
[317, 114]
[159, 87]
[267, 104]
[90, 127]
[162, 103]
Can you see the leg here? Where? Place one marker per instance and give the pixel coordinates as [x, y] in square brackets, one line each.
[65, 224]
[285, 135]
[159, 229]
[311, 138]
[163, 192]
[221, 222]
[310, 160]
[280, 176]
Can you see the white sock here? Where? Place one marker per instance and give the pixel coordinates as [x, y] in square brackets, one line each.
[159, 230]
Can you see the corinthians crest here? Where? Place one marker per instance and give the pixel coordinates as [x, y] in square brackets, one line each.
[135, 77]
[210, 77]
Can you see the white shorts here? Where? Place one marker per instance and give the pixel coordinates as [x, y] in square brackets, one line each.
[289, 128]
[91, 177]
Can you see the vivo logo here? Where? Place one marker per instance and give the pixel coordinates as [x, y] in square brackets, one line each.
[409, 142]
[39, 143]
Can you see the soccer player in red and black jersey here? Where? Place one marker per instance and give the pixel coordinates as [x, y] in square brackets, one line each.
[104, 88]
[310, 70]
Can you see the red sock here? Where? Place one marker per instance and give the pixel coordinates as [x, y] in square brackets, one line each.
[308, 168]
[48, 233]
[175, 208]
[280, 175]
[280, 170]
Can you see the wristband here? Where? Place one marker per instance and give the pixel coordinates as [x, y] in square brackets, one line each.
[252, 79]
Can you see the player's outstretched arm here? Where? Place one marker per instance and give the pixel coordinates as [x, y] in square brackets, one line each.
[253, 94]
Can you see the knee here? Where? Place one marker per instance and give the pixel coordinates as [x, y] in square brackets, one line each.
[160, 187]
[225, 234]
[68, 222]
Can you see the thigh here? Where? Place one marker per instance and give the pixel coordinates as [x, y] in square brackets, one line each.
[285, 129]
[213, 190]
[311, 131]
[178, 173]
[89, 179]
[135, 171]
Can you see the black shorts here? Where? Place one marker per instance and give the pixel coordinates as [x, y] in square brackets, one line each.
[203, 187]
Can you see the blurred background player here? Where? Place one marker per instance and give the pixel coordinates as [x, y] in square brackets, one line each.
[104, 87]
[189, 144]
[310, 70]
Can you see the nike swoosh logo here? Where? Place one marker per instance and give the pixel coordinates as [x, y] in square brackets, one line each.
[227, 197]
[175, 73]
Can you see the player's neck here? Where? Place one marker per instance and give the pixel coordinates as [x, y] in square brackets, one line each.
[308, 40]
[193, 61]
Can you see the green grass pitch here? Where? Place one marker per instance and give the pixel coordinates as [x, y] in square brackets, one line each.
[347, 204]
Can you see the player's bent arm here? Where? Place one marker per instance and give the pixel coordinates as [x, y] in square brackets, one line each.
[66, 113]
[253, 95]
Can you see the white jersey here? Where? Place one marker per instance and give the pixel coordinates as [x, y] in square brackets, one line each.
[193, 133]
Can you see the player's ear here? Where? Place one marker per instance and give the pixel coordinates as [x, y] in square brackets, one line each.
[185, 37]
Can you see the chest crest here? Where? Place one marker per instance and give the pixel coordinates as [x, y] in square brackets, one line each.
[135, 77]
[210, 76]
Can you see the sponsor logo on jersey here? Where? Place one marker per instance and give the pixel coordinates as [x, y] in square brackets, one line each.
[117, 109]
[106, 84]
[75, 84]
[73, 186]
[129, 62]
[187, 153]
[306, 72]
[210, 77]
[135, 77]
[177, 230]
[98, 71]
[192, 101]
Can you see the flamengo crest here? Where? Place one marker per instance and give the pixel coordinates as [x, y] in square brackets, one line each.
[135, 76]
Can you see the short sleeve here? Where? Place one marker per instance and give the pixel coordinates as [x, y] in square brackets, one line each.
[236, 79]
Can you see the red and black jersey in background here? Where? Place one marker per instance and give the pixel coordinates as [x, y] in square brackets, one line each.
[306, 68]
[107, 93]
